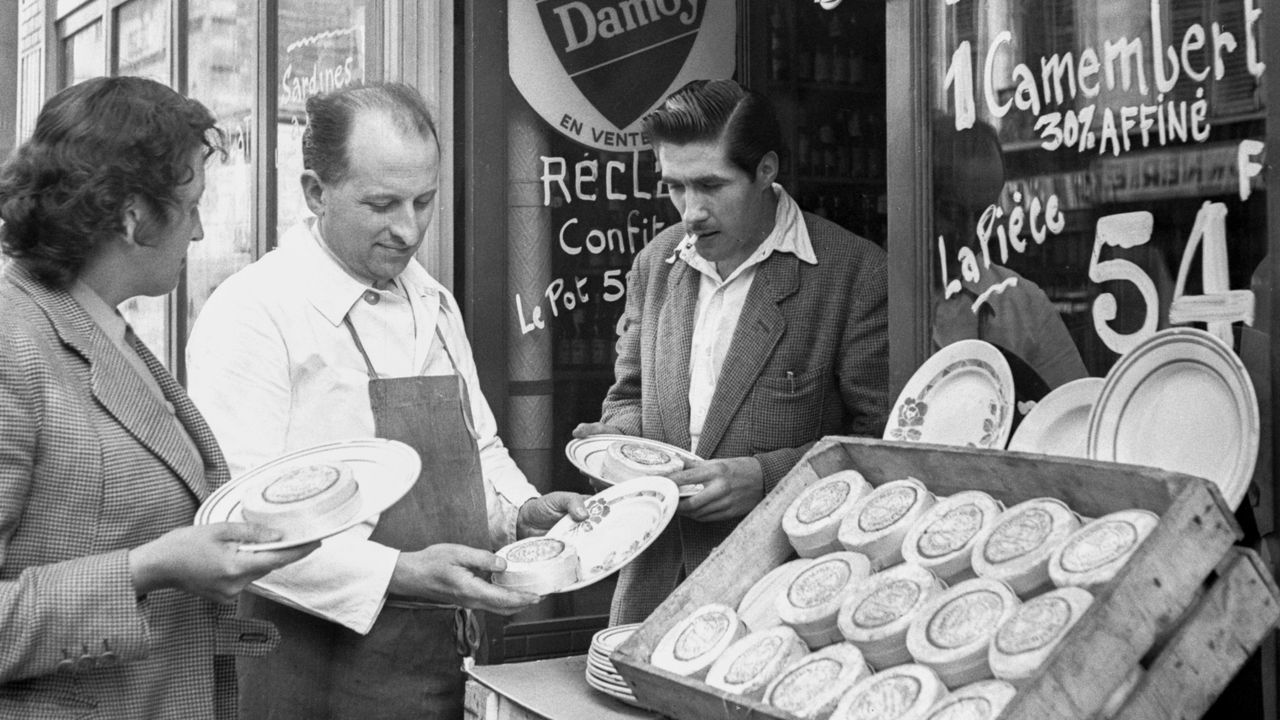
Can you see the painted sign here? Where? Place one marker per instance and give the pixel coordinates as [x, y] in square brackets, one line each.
[593, 68]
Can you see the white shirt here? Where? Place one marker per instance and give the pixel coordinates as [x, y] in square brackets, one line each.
[273, 369]
[720, 302]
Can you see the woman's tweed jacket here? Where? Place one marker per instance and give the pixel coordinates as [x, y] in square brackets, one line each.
[809, 358]
[92, 464]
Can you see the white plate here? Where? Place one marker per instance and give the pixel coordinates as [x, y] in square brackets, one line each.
[624, 696]
[962, 395]
[623, 521]
[384, 470]
[587, 454]
[1059, 423]
[608, 639]
[1182, 401]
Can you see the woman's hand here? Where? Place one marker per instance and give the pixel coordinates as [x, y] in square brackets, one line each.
[206, 560]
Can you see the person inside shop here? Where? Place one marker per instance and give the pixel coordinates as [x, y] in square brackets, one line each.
[997, 305]
[112, 603]
[751, 329]
[339, 334]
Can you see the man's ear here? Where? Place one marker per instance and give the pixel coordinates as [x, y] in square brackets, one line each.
[131, 219]
[767, 168]
[313, 192]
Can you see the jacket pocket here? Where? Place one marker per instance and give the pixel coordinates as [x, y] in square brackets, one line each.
[35, 700]
[786, 410]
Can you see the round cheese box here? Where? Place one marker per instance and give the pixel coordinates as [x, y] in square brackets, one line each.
[982, 700]
[905, 692]
[942, 539]
[303, 500]
[1093, 554]
[876, 615]
[812, 600]
[758, 608]
[693, 644]
[811, 686]
[541, 565]
[812, 520]
[626, 459]
[1016, 548]
[952, 632]
[749, 664]
[1024, 641]
[878, 522]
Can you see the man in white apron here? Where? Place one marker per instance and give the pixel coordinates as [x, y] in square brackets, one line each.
[340, 334]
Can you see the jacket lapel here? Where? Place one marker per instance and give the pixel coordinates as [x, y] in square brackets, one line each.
[675, 332]
[116, 385]
[759, 328]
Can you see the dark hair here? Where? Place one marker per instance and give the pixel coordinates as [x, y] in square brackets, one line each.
[706, 110]
[330, 116]
[97, 144]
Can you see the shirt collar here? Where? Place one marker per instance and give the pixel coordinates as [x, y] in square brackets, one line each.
[329, 286]
[789, 235]
[102, 314]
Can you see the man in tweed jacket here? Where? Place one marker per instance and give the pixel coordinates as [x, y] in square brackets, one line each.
[751, 329]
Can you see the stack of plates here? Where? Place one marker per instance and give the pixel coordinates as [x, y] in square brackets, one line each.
[601, 673]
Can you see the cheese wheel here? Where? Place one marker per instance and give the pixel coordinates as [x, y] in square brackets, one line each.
[812, 600]
[952, 632]
[693, 644]
[942, 539]
[877, 613]
[540, 565]
[749, 664]
[1093, 554]
[905, 692]
[1016, 548]
[812, 520]
[878, 522]
[627, 459]
[1024, 641]
[303, 500]
[758, 608]
[811, 686]
[982, 700]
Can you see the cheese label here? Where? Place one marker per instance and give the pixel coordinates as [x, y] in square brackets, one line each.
[1018, 535]
[644, 454]
[1099, 545]
[748, 666]
[1036, 624]
[800, 685]
[300, 483]
[818, 583]
[536, 550]
[887, 603]
[963, 620]
[823, 500]
[886, 508]
[950, 532]
[702, 634]
[965, 708]
[890, 698]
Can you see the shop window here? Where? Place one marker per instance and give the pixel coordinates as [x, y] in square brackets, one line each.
[81, 50]
[141, 43]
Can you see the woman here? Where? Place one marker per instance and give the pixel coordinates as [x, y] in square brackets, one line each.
[109, 597]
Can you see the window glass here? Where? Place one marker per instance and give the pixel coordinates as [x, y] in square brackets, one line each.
[321, 48]
[142, 39]
[220, 56]
[82, 54]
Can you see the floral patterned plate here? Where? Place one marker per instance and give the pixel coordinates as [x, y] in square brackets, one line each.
[623, 520]
[963, 395]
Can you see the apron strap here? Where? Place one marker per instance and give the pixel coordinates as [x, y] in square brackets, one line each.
[346, 320]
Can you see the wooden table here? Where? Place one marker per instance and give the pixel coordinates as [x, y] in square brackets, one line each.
[542, 690]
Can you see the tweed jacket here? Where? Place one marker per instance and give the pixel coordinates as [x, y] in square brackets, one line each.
[809, 358]
[92, 463]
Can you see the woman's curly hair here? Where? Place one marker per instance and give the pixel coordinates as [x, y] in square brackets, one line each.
[97, 145]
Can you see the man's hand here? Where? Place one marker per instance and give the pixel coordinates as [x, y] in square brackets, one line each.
[732, 487]
[206, 560]
[457, 575]
[539, 514]
[596, 428]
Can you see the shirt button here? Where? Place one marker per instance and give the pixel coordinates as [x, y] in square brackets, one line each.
[371, 297]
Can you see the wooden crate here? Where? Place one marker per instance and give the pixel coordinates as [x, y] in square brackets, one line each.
[1207, 622]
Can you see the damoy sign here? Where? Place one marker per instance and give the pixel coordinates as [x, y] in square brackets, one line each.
[593, 68]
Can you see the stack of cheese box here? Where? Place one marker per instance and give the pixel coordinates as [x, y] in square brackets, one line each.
[901, 598]
[883, 580]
